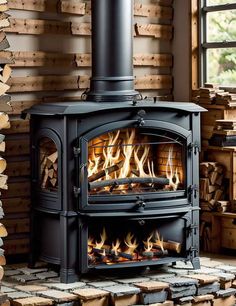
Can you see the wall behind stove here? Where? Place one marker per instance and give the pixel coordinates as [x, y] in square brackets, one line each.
[58, 74]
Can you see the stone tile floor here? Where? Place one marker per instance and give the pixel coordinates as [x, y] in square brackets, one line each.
[213, 285]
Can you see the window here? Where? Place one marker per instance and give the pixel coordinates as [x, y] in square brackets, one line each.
[218, 42]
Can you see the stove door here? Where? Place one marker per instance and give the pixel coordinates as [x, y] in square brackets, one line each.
[128, 167]
[46, 173]
[105, 243]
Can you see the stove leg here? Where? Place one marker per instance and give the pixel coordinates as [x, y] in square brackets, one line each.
[196, 263]
[68, 276]
[69, 247]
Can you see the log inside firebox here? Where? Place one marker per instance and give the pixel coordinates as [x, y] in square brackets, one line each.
[103, 173]
[129, 180]
[169, 245]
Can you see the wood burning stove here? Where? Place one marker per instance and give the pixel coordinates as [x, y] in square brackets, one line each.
[114, 178]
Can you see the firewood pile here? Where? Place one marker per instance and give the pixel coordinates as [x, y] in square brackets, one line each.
[211, 94]
[218, 123]
[49, 167]
[212, 187]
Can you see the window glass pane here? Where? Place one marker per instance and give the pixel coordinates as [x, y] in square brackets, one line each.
[219, 2]
[221, 26]
[221, 66]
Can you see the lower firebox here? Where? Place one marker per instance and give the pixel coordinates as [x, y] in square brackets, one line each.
[102, 243]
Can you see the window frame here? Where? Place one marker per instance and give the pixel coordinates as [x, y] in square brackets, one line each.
[204, 45]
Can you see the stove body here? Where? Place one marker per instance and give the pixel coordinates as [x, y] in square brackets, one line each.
[66, 216]
[115, 177]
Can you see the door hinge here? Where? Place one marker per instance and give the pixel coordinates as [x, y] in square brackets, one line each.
[193, 251]
[194, 147]
[76, 191]
[193, 189]
[192, 228]
[77, 151]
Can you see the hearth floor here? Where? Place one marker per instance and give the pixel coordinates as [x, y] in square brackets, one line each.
[213, 285]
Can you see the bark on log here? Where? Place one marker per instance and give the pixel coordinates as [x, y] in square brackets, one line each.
[103, 173]
[129, 180]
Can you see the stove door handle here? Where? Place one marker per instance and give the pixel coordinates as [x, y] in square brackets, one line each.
[140, 205]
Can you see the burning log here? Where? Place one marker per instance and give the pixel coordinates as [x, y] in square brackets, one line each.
[104, 172]
[169, 245]
[129, 180]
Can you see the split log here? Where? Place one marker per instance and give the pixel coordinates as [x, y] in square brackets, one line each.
[3, 165]
[4, 121]
[3, 231]
[6, 73]
[212, 187]
[104, 172]
[130, 180]
[169, 245]
[3, 181]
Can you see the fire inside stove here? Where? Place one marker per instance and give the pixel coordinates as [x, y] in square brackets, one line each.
[135, 161]
[127, 247]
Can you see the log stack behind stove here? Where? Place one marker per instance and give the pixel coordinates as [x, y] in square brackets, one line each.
[114, 178]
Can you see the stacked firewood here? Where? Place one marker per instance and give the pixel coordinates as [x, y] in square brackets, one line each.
[207, 94]
[212, 187]
[49, 168]
[221, 106]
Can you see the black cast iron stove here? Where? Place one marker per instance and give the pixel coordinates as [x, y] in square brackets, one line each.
[115, 177]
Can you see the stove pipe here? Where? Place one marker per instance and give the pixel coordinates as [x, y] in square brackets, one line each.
[112, 52]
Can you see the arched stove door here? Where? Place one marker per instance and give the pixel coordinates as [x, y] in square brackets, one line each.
[128, 167]
[47, 174]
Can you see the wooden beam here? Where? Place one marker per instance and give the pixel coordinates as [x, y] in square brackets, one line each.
[17, 146]
[152, 82]
[21, 188]
[16, 226]
[16, 246]
[39, 59]
[16, 205]
[18, 168]
[42, 83]
[194, 47]
[38, 27]
[61, 83]
[162, 9]
[32, 5]
[18, 126]
[72, 7]
[51, 59]
[164, 32]
[156, 11]
[16, 107]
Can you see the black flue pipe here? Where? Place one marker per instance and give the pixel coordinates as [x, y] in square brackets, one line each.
[112, 51]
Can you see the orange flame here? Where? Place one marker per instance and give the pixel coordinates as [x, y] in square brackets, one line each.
[116, 246]
[158, 240]
[93, 163]
[170, 173]
[90, 244]
[131, 243]
[103, 236]
[148, 245]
